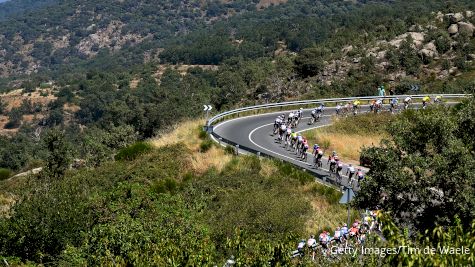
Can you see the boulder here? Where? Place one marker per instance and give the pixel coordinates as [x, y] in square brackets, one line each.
[427, 53]
[439, 16]
[456, 17]
[468, 13]
[453, 29]
[466, 28]
[471, 57]
[347, 49]
[429, 50]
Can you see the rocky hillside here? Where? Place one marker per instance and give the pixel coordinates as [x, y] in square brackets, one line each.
[445, 46]
[68, 32]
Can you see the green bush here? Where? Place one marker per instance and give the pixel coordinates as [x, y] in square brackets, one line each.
[229, 150]
[133, 151]
[205, 145]
[202, 135]
[4, 174]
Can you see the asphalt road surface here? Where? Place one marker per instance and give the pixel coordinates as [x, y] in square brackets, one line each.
[255, 132]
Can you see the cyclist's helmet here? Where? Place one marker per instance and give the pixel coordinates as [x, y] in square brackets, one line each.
[334, 153]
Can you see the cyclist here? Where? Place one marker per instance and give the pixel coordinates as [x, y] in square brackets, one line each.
[407, 101]
[324, 238]
[291, 117]
[277, 123]
[372, 105]
[425, 101]
[293, 139]
[394, 104]
[438, 99]
[299, 142]
[300, 249]
[337, 235]
[332, 161]
[312, 245]
[338, 108]
[287, 136]
[360, 175]
[304, 150]
[356, 103]
[300, 113]
[316, 147]
[283, 129]
[339, 168]
[344, 231]
[351, 171]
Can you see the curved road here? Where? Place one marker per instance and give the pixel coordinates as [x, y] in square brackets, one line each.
[255, 132]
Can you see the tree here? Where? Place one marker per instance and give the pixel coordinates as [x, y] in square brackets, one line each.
[59, 154]
[14, 118]
[309, 62]
[417, 175]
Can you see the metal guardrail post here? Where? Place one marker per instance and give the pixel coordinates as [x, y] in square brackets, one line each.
[220, 140]
[258, 154]
[237, 150]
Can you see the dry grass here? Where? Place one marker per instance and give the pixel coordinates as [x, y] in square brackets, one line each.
[187, 133]
[325, 215]
[348, 135]
[348, 146]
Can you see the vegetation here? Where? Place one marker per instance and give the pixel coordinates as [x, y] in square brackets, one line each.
[418, 169]
[159, 208]
[360, 131]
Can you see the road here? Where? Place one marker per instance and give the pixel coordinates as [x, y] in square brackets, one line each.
[255, 132]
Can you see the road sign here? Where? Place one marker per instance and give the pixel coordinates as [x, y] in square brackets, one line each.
[207, 107]
[415, 87]
[347, 196]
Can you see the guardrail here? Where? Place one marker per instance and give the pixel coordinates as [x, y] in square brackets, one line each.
[323, 178]
[328, 100]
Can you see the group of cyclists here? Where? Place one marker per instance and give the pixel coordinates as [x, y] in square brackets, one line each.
[292, 141]
[343, 236]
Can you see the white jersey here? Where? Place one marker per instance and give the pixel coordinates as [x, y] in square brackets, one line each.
[289, 131]
[291, 115]
[351, 169]
[407, 99]
[311, 242]
[283, 127]
[278, 120]
[338, 107]
[379, 101]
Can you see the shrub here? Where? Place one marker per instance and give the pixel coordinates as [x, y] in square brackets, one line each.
[133, 151]
[4, 174]
[205, 145]
[202, 135]
[229, 150]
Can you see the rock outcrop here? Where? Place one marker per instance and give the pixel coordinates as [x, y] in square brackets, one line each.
[453, 29]
[466, 28]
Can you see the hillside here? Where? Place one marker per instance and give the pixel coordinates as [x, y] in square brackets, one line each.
[175, 202]
[58, 35]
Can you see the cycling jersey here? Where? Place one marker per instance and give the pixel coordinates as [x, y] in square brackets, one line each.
[407, 99]
[344, 230]
[360, 174]
[351, 169]
[311, 242]
[283, 127]
[294, 135]
[289, 131]
[337, 234]
[426, 99]
[356, 103]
